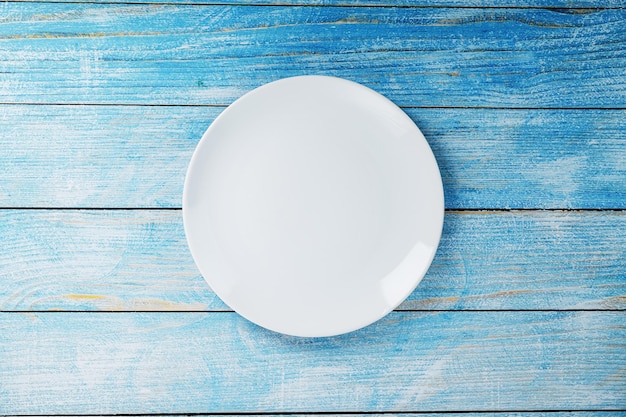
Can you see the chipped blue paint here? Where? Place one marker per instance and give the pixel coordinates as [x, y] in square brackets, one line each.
[563, 6]
[107, 53]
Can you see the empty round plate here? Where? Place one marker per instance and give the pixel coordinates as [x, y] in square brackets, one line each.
[313, 206]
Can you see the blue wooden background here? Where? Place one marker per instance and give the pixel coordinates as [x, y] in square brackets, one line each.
[523, 312]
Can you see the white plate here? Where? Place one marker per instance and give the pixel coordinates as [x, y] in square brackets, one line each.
[313, 206]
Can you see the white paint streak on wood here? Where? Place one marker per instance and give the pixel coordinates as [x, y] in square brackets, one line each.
[418, 56]
[112, 363]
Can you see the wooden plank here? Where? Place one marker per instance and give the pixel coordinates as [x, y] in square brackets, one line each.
[183, 54]
[138, 260]
[129, 156]
[97, 156]
[202, 362]
[98, 260]
[528, 159]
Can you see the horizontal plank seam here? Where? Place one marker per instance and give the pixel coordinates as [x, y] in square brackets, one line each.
[287, 4]
[294, 413]
[573, 310]
[447, 210]
[218, 105]
[91, 208]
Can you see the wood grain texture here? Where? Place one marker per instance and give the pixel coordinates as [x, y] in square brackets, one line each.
[204, 362]
[139, 260]
[109, 119]
[136, 156]
[177, 54]
[567, 6]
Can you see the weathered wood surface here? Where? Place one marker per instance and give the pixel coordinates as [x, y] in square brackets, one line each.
[101, 106]
[136, 156]
[209, 362]
[564, 6]
[193, 54]
[138, 260]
